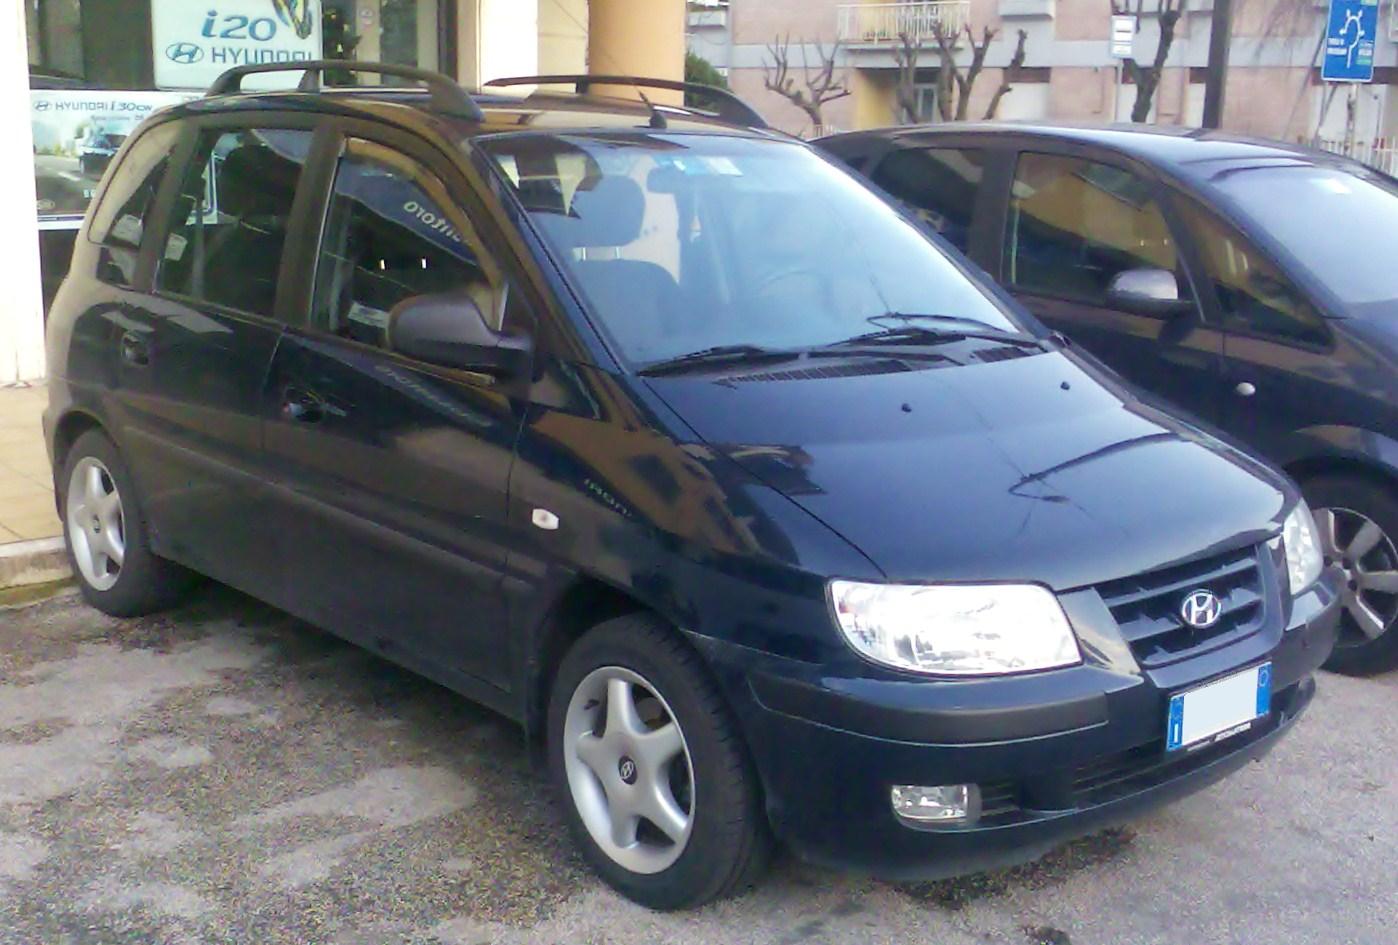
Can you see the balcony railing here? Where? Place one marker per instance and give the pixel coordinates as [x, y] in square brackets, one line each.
[1380, 154]
[868, 23]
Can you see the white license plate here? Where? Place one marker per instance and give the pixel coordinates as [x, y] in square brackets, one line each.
[1219, 709]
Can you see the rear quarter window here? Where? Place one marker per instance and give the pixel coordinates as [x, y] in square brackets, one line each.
[119, 221]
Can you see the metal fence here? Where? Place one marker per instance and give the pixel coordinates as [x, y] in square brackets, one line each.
[1381, 153]
[885, 22]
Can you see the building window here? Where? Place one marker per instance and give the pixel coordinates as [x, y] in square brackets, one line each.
[926, 93]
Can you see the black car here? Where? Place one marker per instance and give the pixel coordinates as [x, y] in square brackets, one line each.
[1253, 283]
[658, 432]
[97, 152]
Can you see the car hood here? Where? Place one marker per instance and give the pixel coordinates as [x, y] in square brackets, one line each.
[1036, 468]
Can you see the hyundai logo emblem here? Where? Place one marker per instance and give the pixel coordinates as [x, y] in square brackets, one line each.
[1201, 609]
[184, 53]
[627, 769]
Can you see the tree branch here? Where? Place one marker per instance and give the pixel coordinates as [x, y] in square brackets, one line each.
[1009, 77]
[821, 86]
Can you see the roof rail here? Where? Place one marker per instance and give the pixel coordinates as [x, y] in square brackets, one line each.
[728, 106]
[447, 96]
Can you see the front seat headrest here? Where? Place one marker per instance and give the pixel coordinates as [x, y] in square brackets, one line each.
[609, 213]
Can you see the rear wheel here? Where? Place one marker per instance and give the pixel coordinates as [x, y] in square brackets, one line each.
[656, 786]
[1358, 524]
[106, 534]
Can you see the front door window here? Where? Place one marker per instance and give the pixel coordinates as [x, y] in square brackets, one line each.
[1074, 225]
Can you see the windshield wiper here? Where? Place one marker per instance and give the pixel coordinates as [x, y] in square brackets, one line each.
[718, 356]
[907, 332]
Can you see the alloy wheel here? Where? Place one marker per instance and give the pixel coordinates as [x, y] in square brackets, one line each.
[628, 769]
[96, 524]
[1369, 560]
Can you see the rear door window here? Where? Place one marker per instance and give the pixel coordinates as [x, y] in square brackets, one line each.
[1075, 224]
[120, 220]
[231, 216]
[938, 185]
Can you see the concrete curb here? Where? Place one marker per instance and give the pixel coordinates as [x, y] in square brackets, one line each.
[33, 562]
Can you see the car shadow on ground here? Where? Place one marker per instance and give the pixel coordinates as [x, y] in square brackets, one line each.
[224, 770]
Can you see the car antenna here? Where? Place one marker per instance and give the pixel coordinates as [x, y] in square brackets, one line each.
[657, 120]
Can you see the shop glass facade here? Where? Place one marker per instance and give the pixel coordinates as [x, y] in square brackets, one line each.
[98, 67]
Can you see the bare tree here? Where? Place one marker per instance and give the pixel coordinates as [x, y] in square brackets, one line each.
[950, 75]
[1008, 77]
[820, 85]
[1147, 78]
[905, 91]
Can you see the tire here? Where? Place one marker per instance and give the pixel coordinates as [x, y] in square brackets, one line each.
[725, 843]
[1342, 505]
[105, 534]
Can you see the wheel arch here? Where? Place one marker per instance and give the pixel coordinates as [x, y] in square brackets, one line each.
[1356, 467]
[66, 431]
[585, 602]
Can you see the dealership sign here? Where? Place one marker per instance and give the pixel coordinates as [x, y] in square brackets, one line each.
[194, 42]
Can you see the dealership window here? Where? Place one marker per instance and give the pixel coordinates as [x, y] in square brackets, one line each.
[180, 44]
[99, 44]
[403, 32]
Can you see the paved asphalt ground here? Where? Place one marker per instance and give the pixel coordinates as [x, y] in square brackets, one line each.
[223, 773]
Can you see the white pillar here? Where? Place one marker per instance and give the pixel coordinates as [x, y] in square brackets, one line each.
[21, 303]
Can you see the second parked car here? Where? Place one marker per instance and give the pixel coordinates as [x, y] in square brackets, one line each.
[1253, 283]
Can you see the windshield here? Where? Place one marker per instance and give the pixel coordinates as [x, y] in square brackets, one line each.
[684, 243]
[1339, 225]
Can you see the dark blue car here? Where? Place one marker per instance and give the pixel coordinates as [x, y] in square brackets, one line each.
[657, 432]
[1253, 283]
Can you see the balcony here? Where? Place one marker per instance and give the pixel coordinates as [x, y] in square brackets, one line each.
[864, 24]
[704, 14]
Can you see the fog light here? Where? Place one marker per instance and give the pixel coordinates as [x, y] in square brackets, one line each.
[950, 804]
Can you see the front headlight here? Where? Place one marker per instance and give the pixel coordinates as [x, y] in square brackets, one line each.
[1302, 544]
[956, 629]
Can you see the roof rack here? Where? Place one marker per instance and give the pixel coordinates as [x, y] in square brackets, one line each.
[728, 106]
[447, 96]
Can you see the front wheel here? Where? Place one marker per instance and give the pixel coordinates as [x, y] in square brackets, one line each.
[655, 782]
[1358, 525]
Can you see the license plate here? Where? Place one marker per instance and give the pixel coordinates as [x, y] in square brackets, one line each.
[1219, 709]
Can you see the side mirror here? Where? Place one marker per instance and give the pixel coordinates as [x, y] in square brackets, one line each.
[449, 330]
[1154, 293]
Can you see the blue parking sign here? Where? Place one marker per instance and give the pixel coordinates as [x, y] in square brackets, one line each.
[1349, 41]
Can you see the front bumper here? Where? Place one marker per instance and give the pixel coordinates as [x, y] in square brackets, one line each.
[1056, 754]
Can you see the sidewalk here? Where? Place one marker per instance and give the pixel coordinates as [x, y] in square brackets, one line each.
[30, 534]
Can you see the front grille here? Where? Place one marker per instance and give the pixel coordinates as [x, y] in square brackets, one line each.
[1147, 606]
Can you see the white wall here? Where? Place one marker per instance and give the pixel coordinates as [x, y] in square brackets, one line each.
[508, 39]
[1026, 101]
[21, 305]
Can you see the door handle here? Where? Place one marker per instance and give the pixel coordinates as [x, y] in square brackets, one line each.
[302, 406]
[1245, 389]
[134, 349]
